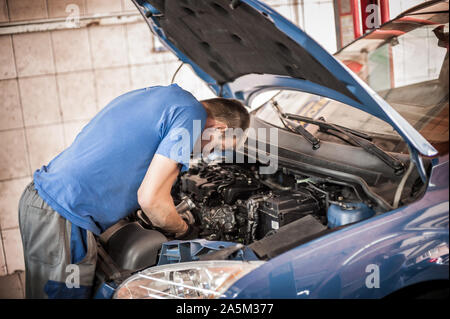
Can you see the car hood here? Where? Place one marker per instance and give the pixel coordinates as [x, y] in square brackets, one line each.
[242, 48]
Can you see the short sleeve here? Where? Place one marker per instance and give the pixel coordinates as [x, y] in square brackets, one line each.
[183, 126]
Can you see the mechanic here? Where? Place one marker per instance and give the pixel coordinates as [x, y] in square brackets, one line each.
[127, 157]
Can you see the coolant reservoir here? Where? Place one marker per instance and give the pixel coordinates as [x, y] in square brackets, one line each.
[347, 213]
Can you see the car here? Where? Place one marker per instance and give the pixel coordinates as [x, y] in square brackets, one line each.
[348, 198]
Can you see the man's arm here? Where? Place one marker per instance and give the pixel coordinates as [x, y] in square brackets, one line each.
[154, 195]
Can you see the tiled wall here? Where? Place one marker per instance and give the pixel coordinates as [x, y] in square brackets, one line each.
[316, 17]
[398, 6]
[52, 83]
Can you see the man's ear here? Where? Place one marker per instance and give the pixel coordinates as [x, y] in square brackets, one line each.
[222, 127]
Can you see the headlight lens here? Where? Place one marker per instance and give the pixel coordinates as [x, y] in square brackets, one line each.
[200, 280]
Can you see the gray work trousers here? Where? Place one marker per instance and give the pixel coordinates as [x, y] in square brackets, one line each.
[46, 239]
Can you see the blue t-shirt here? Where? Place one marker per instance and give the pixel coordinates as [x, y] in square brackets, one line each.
[94, 182]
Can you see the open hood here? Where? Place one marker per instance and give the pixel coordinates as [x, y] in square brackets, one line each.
[241, 48]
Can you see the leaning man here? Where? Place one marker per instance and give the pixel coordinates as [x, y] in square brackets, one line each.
[123, 160]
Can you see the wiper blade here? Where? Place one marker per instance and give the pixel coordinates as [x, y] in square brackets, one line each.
[325, 125]
[357, 139]
[299, 129]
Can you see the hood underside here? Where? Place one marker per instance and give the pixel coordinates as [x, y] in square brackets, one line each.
[241, 47]
[228, 43]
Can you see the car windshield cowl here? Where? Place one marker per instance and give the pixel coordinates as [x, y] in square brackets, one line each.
[355, 138]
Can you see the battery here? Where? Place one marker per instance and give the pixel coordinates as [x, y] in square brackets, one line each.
[283, 208]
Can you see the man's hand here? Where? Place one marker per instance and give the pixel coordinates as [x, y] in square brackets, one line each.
[191, 233]
[154, 195]
[188, 218]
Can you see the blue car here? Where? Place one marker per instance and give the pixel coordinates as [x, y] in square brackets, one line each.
[340, 186]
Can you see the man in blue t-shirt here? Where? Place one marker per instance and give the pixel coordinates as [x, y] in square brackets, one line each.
[127, 157]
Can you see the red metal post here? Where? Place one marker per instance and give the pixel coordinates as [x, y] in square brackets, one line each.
[385, 17]
[384, 10]
[356, 18]
[365, 14]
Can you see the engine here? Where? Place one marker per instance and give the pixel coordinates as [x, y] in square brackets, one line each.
[234, 203]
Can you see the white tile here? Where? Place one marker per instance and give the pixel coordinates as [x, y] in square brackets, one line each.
[11, 286]
[148, 75]
[108, 46]
[168, 56]
[39, 100]
[57, 8]
[77, 94]
[33, 53]
[398, 6]
[140, 45]
[44, 143]
[287, 11]
[13, 155]
[3, 14]
[12, 243]
[10, 111]
[10, 192]
[324, 33]
[20, 10]
[3, 270]
[128, 5]
[7, 64]
[71, 48]
[110, 84]
[104, 6]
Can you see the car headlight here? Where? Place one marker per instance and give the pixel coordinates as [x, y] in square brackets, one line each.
[198, 279]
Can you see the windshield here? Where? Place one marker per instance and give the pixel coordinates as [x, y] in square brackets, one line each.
[406, 62]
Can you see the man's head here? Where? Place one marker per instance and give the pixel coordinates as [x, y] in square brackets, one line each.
[223, 115]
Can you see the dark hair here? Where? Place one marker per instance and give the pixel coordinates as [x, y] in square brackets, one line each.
[229, 111]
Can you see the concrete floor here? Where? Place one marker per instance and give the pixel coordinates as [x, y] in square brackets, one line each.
[13, 286]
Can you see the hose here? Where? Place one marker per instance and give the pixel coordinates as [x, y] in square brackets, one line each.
[401, 186]
[176, 72]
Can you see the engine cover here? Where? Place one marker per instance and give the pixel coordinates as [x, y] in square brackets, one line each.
[234, 204]
[223, 184]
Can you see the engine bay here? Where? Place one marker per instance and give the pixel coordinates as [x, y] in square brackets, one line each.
[233, 202]
[236, 206]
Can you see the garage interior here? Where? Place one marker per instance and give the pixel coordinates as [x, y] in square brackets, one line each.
[62, 61]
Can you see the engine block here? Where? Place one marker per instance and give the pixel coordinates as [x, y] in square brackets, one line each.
[234, 204]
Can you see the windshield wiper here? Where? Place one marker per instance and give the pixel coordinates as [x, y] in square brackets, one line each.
[357, 138]
[324, 126]
[314, 141]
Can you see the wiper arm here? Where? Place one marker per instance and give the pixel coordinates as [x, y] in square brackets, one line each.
[314, 141]
[325, 125]
[357, 139]
[299, 129]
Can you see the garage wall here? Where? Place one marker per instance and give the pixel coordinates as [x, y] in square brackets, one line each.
[52, 83]
[316, 17]
[398, 6]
